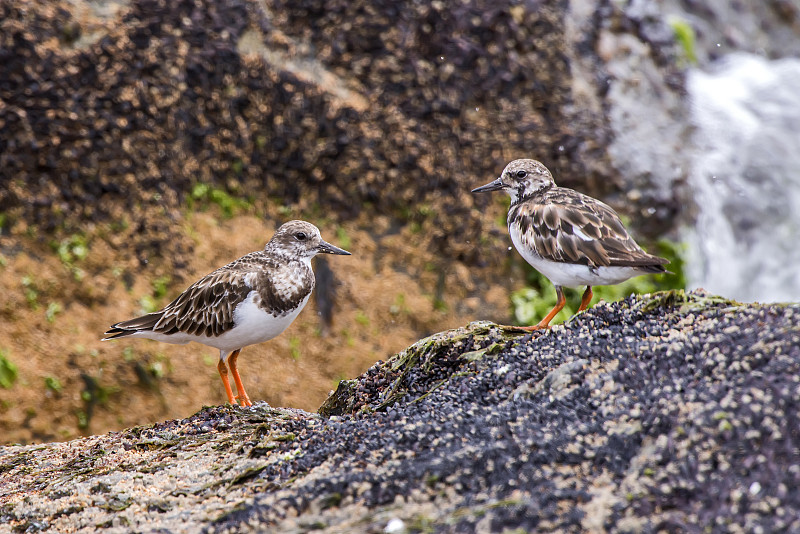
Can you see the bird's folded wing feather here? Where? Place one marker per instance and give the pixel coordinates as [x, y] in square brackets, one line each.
[207, 306]
[578, 229]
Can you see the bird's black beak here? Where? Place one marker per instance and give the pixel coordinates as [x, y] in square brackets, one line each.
[495, 185]
[327, 248]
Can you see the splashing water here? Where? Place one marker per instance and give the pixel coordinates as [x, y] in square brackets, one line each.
[746, 179]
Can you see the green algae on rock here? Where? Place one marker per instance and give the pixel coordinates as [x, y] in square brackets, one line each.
[427, 355]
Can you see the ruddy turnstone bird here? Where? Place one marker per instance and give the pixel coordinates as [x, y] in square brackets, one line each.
[250, 300]
[569, 237]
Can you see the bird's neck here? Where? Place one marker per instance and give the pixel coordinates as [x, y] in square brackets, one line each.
[521, 196]
[287, 256]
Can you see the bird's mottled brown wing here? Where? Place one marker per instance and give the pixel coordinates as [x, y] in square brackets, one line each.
[207, 306]
[565, 226]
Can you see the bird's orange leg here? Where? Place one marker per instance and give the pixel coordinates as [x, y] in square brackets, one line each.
[242, 396]
[223, 373]
[586, 298]
[545, 323]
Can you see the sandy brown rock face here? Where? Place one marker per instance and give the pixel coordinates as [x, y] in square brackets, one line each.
[344, 108]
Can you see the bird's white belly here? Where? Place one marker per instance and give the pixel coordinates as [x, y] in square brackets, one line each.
[572, 274]
[251, 325]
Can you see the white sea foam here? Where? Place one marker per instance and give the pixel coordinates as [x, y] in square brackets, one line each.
[746, 179]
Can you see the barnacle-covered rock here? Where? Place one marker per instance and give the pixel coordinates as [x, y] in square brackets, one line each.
[660, 412]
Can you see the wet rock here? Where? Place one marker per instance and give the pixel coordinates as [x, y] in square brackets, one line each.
[355, 108]
[668, 411]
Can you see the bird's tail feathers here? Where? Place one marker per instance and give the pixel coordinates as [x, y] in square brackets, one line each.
[131, 326]
[654, 269]
[644, 263]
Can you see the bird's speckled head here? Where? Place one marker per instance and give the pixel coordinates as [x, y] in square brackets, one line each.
[300, 239]
[521, 178]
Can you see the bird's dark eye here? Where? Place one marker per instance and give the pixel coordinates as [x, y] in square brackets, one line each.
[521, 174]
[301, 236]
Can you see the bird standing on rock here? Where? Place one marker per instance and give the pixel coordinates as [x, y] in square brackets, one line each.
[248, 301]
[571, 238]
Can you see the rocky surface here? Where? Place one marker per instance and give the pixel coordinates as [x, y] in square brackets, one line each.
[343, 107]
[667, 412]
[770, 29]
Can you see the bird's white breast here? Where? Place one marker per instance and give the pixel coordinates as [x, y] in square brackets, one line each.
[570, 274]
[253, 325]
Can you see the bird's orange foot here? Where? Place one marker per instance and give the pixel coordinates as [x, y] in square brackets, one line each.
[544, 324]
[515, 328]
[242, 397]
[532, 328]
[244, 400]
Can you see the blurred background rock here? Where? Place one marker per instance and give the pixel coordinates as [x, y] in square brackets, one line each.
[145, 143]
